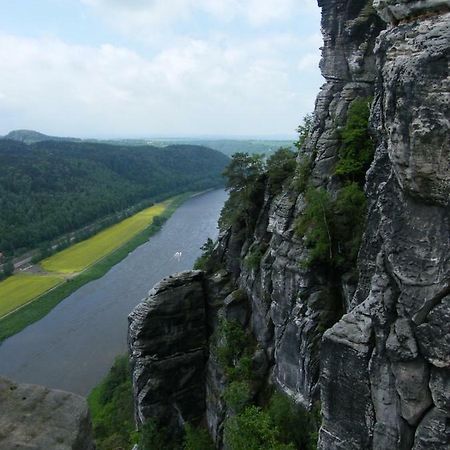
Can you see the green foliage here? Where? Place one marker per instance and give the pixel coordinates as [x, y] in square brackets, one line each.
[253, 258]
[315, 224]
[356, 151]
[53, 188]
[244, 169]
[8, 268]
[207, 251]
[231, 342]
[349, 223]
[280, 168]
[155, 437]
[295, 424]
[111, 406]
[253, 430]
[237, 395]
[37, 309]
[245, 183]
[197, 439]
[302, 173]
[333, 229]
[304, 130]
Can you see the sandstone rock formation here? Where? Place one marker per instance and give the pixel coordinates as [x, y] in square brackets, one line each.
[34, 417]
[167, 339]
[374, 347]
[404, 299]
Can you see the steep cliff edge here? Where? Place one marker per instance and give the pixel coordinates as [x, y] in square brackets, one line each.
[388, 359]
[34, 417]
[369, 339]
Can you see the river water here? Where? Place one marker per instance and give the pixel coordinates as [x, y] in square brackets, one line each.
[73, 347]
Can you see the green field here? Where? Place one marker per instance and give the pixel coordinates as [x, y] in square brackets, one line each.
[82, 255]
[37, 307]
[18, 290]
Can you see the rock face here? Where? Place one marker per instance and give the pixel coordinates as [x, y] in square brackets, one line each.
[374, 347]
[34, 417]
[167, 340]
[404, 300]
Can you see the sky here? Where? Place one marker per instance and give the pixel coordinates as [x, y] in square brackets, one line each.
[158, 68]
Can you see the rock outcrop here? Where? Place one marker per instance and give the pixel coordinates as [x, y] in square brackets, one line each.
[34, 417]
[402, 318]
[370, 342]
[167, 340]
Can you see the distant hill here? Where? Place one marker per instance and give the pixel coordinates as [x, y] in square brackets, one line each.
[31, 137]
[226, 146]
[51, 188]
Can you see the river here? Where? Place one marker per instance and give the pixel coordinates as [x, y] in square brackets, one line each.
[73, 347]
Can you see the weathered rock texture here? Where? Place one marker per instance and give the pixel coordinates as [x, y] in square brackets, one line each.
[167, 339]
[37, 418]
[390, 368]
[373, 347]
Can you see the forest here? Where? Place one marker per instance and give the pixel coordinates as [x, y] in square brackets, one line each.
[51, 188]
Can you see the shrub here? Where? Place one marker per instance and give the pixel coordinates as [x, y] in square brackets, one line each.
[333, 229]
[350, 213]
[280, 168]
[295, 424]
[253, 430]
[356, 151]
[197, 439]
[154, 437]
[207, 251]
[231, 343]
[302, 173]
[253, 258]
[304, 130]
[315, 224]
[238, 395]
[112, 410]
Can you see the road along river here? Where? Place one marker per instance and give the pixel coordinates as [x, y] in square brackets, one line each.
[73, 347]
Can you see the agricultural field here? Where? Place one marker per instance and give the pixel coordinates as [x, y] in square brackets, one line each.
[18, 290]
[82, 255]
[22, 288]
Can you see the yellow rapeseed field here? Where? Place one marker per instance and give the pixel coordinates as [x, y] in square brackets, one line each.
[19, 289]
[82, 255]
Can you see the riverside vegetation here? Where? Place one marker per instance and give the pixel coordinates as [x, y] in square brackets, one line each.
[63, 287]
[49, 189]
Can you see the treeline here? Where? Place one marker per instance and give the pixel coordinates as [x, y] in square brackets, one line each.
[48, 189]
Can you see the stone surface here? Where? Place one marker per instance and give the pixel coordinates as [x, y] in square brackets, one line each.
[433, 433]
[167, 340]
[374, 347]
[404, 260]
[36, 418]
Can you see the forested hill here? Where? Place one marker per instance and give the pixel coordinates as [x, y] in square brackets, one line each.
[51, 188]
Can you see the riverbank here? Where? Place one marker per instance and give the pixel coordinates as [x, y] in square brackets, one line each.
[39, 306]
[74, 346]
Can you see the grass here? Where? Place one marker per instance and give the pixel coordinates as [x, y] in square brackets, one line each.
[37, 309]
[112, 409]
[82, 255]
[17, 290]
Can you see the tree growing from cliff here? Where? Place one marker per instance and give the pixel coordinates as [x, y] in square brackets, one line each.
[356, 151]
[245, 182]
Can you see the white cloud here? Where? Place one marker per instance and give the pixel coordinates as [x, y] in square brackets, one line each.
[190, 87]
[145, 18]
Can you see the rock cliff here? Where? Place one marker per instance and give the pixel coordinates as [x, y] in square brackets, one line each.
[34, 417]
[369, 339]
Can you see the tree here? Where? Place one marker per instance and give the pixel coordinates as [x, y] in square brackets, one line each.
[280, 168]
[304, 130]
[243, 170]
[356, 151]
[8, 268]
